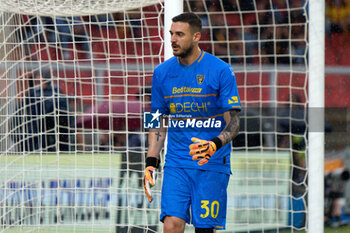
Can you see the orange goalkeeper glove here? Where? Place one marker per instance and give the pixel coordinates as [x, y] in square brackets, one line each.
[202, 150]
[150, 176]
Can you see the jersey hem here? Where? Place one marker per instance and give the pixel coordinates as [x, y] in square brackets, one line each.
[213, 168]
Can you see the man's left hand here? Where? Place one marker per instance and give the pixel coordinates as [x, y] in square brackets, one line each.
[202, 150]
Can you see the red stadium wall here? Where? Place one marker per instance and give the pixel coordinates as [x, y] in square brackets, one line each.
[337, 91]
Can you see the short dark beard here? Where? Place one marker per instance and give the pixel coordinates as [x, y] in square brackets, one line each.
[187, 52]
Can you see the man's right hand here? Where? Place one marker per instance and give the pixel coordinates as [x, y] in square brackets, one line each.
[149, 181]
[150, 176]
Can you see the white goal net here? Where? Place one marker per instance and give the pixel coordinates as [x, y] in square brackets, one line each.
[75, 78]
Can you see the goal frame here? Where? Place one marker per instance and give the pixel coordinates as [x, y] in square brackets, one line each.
[316, 116]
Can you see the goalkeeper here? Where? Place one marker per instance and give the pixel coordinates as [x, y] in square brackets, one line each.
[199, 93]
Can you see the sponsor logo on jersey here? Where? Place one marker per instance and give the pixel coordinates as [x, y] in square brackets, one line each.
[182, 90]
[188, 107]
[200, 79]
[233, 100]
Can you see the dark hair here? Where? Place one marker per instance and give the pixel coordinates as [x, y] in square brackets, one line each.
[192, 19]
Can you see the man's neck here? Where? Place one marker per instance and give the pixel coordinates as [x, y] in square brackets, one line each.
[191, 57]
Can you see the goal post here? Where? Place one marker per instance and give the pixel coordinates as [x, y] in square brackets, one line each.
[316, 115]
[171, 9]
[75, 78]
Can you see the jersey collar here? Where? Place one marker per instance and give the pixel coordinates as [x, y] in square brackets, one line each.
[195, 62]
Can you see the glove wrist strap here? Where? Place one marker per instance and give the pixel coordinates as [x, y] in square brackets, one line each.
[152, 161]
[217, 143]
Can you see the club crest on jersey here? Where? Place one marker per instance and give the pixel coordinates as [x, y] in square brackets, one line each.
[200, 79]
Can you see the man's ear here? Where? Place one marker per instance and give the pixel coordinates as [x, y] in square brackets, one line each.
[197, 36]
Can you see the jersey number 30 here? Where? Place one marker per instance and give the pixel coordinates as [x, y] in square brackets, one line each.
[213, 210]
